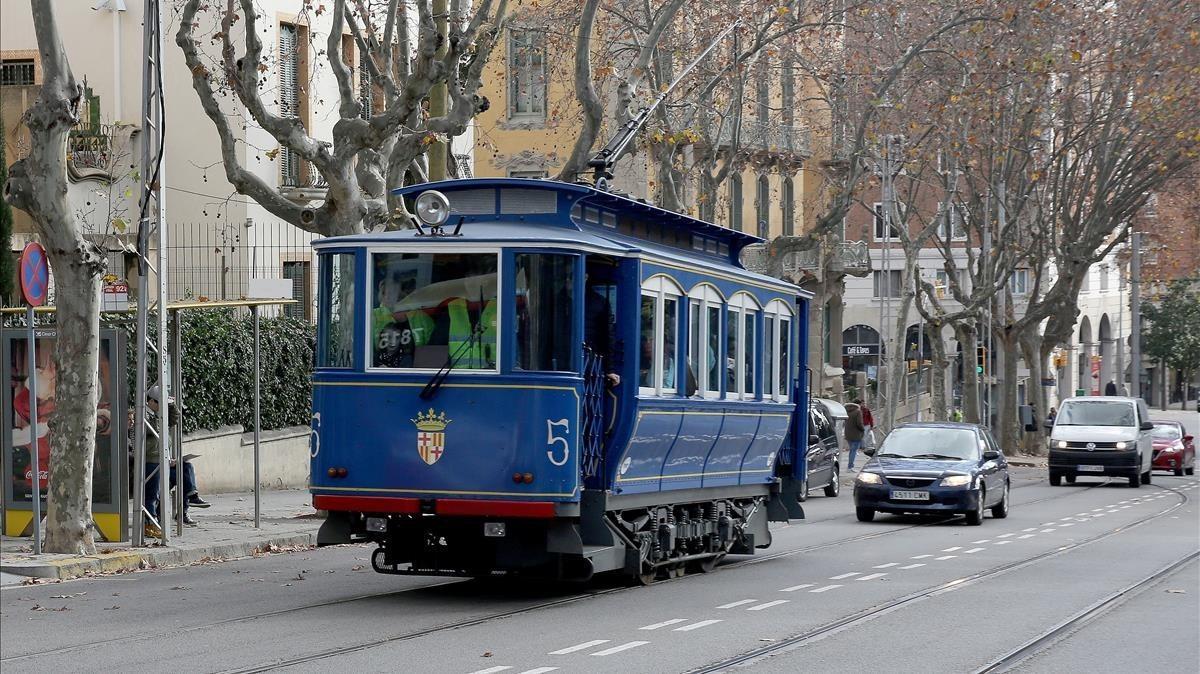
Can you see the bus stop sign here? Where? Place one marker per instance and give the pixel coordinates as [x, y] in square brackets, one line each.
[34, 274]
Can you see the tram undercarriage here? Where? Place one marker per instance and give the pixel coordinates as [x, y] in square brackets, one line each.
[628, 534]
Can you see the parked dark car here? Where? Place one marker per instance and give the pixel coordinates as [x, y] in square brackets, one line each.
[823, 469]
[935, 468]
[1174, 448]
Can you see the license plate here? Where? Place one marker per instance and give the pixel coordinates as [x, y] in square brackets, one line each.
[1090, 469]
[910, 495]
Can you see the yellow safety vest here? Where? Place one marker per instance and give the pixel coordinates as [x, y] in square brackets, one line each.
[481, 354]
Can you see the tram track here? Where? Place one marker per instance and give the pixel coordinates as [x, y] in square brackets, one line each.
[1066, 628]
[879, 610]
[470, 622]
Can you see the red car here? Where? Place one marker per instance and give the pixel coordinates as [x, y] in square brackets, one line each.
[1174, 449]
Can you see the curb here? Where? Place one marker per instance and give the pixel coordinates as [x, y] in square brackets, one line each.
[122, 561]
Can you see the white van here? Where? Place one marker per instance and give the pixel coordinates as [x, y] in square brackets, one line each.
[1099, 436]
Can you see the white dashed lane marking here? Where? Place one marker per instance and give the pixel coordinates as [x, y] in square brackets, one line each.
[826, 588]
[845, 575]
[733, 604]
[796, 587]
[1005, 535]
[971, 551]
[1026, 536]
[921, 557]
[1067, 524]
[957, 547]
[578, 647]
[982, 540]
[1046, 531]
[665, 623]
[912, 566]
[888, 565]
[539, 670]
[1002, 542]
[696, 626]
[872, 576]
[763, 607]
[945, 557]
[1029, 529]
[492, 670]
[622, 647]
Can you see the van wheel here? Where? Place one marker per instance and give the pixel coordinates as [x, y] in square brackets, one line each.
[1135, 481]
[1191, 471]
[1071, 479]
[834, 487]
[1055, 479]
[1179, 471]
[1146, 477]
[865, 514]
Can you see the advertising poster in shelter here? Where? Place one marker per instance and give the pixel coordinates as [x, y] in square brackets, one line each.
[22, 439]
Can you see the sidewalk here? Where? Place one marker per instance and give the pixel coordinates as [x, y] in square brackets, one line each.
[224, 531]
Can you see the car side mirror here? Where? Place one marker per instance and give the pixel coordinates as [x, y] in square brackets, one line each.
[1147, 426]
[991, 455]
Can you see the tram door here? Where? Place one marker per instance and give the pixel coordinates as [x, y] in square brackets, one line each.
[602, 355]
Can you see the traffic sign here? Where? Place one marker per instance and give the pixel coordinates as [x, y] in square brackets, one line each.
[34, 274]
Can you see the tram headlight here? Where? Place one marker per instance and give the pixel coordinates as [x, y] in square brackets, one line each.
[433, 208]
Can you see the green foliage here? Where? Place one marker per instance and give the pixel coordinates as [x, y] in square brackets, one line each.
[218, 369]
[1174, 333]
[7, 263]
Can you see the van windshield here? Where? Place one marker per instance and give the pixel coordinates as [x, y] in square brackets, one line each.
[1095, 413]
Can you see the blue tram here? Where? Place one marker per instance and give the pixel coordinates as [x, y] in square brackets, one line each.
[555, 380]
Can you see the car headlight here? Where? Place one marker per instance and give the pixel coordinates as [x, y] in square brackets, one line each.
[956, 481]
[1122, 445]
[870, 478]
[1061, 444]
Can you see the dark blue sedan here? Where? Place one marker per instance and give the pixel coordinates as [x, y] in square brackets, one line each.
[935, 468]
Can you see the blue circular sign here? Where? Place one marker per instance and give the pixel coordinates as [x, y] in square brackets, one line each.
[34, 275]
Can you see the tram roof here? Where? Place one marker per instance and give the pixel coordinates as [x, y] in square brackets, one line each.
[548, 212]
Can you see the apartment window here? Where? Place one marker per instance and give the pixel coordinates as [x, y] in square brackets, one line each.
[789, 208]
[943, 282]
[887, 283]
[17, 73]
[952, 213]
[880, 219]
[1105, 274]
[299, 273]
[1018, 283]
[527, 74]
[788, 88]
[290, 85]
[366, 88]
[763, 207]
[763, 86]
[531, 174]
[735, 202]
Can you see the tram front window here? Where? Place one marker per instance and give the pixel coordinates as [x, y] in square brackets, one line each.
[545, 317]
[431, 308]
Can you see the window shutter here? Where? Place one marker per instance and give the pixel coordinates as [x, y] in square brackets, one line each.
[289, 98]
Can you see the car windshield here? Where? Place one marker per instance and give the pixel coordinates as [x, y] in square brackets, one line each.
[950, 444]
[1095, 413]
[1167, 432]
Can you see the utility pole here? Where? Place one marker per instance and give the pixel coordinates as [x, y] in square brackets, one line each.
[1135, 311]
[889, 169]
[152, 240]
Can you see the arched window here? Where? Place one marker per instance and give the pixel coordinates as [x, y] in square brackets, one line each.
[777, 360]
[659, 339]
[704, 339]
[740, 347]
[735, 202]
[763, 206]
[789, 207]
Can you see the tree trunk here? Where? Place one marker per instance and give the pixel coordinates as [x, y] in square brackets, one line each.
[937, 375]
[1006, 411]
[73, 427]
[967, 336]
[895, 380]
[1036, 352]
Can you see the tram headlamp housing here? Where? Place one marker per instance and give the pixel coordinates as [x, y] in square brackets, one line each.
[433, 208]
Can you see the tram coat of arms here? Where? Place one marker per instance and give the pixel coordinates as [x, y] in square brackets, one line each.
[431, 435]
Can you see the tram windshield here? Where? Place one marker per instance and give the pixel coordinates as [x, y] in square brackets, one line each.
[428, 308]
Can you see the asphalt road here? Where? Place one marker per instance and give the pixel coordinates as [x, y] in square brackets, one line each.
[1091, 577]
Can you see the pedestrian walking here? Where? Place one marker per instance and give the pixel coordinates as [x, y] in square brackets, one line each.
[854, 431]
[1110, 389]
[1052, 416]
[868, 420]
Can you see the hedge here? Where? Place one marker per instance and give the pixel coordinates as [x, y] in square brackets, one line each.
[218, 369]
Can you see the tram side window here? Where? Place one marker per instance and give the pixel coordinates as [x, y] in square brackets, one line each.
[733, 334]
[337, 310]
[740, 347]
[658, 374]
[769, 346]
[544, 308]
[785, 335]
[429, 309]
[748, 358]
[649, 310]
[667, 345]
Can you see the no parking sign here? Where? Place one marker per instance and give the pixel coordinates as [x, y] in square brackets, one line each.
[34, 275]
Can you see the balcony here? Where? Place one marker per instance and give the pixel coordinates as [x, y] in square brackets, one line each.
[768, 138]
[838, 257]
[303, 184]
